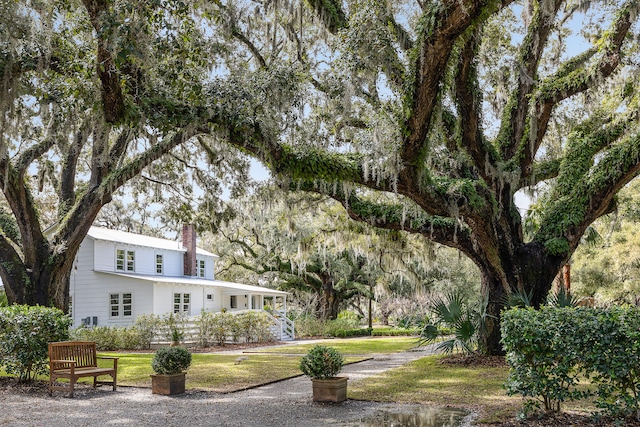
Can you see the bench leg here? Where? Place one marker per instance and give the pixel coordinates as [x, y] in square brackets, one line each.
[72, 386]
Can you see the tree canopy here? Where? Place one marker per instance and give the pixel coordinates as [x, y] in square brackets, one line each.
[425, 116]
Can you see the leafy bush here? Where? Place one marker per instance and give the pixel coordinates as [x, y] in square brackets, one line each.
[25, 332]
[309, 326]
[106, 337]
[331, 327]
[109, 338]
[171, 360]
[172, 326]
[148, 326]
[551, 349]
[254, 326]
[3, 299]
[223, 326]
[322, 362]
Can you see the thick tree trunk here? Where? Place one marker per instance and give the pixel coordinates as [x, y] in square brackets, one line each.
[492, 290]
[530, 271]
[328, 304]
[46, 284]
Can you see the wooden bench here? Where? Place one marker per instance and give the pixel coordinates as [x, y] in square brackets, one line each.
[77, 359]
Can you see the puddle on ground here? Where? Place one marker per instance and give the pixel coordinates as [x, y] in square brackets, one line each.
[414, 417]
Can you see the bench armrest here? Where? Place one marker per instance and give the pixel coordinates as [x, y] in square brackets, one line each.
[114, 359]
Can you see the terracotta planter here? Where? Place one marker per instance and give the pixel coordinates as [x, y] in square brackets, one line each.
[168, 384]
[330, 390]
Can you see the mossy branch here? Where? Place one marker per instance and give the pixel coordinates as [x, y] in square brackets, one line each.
[469, 104]
[440, 26]
[570, 213]
[514, 117]
[576, 77]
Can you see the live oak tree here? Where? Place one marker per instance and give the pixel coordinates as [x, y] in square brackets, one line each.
[98, 97]
[446, 107]
[450, 108]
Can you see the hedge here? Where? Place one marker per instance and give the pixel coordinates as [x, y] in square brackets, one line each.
[394, 332]
[561, 354]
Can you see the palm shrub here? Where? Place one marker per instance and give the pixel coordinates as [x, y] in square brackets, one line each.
[322, 362]
[25, 332]
[171, 360]
[563, 298]
[452, 318]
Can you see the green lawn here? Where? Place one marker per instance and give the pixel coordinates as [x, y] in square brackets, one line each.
[383, 345]
[215, 372]
[428, 381]
[478, 388]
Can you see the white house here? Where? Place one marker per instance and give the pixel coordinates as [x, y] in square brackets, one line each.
[118, 276]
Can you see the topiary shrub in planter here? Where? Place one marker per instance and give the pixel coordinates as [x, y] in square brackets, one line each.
[169, 364]
[323, 364]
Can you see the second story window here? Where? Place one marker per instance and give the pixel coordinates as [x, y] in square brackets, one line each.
[125, 260]
[159, 266]
[200, 268]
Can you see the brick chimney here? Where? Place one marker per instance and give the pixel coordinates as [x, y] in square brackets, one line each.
[189, 243]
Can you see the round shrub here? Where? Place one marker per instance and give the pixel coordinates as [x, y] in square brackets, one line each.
[171, 360]
[322, 362]
[25, 332]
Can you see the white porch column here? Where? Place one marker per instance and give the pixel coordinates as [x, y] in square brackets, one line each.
[250, 301]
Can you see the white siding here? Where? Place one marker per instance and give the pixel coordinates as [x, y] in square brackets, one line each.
[104, 254]
[173, 262]
[163, 297]
[90, 290]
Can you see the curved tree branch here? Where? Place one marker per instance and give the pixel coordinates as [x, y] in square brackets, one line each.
[514, 117]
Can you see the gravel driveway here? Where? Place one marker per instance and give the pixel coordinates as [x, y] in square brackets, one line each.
[285, 403]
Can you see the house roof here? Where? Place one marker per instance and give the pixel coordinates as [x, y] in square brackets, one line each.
[185, 280]
[109, 235]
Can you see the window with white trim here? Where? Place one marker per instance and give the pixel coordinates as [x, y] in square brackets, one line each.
[120, 305]
[159, 264]
[200, 268]
[125, 260]
[233, 301]
[182, 303]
